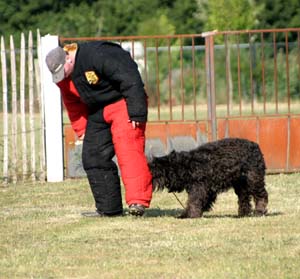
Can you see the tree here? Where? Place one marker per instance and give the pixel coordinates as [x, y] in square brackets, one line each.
[279, 14]
[231, 15]
[72, 17]
[123, 17]
[157, 25]
[184, 15]
[72, 23]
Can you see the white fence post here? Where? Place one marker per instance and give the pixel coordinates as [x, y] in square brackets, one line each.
[53, 116]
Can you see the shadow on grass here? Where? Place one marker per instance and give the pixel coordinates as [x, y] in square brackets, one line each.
[235, 216]
[157, 212]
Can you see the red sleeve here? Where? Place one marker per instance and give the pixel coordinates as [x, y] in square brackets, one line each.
[77, 110]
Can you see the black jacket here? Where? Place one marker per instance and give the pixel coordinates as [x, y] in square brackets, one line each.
[105, 73]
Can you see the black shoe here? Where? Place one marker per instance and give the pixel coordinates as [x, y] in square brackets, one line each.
[136, 209]
[98, 213]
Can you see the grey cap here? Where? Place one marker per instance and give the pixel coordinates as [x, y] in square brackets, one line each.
[55, 61]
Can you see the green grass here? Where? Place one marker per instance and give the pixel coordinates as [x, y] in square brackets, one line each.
[42, 235]
[187, 111]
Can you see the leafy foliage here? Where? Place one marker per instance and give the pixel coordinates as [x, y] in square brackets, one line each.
[279, 14]
[94, 18]
[129, 17]
[230, 15]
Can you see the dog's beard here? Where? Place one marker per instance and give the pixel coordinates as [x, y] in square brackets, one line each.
[160, 183]
[159, 175]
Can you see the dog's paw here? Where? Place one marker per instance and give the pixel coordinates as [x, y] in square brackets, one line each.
[259, 213]
[183, 215]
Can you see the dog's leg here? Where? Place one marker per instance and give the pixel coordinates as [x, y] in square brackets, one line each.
[191, 211]
[261, 206]
[244, 199]
[261, 202]
[256, 183]
[210, 201]
[196, 198]
[183, 215]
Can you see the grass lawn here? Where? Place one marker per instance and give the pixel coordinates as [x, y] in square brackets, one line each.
[42, 235]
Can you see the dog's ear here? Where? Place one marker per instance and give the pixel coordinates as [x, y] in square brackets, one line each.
[158, 161]
[177, 156]
[172, 155]
[164, 160]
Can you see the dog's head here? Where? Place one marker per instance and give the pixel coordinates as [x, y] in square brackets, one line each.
[158, 167]
[165, 173]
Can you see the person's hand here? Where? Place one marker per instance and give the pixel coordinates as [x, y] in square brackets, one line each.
[134, 124]
[79, 140]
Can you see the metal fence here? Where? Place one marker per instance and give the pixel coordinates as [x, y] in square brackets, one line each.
[260, 89]
[201, 87]
[208, 86]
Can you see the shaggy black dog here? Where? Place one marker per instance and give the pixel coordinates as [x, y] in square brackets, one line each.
[211, 169]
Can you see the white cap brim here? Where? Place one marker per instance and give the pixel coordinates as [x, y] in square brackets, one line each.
[59, 75]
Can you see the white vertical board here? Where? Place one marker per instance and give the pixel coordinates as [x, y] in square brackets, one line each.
[53, 116]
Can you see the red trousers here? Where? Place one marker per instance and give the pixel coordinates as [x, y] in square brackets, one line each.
[129, 147]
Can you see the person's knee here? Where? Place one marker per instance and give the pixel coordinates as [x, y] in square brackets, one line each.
[98, 158]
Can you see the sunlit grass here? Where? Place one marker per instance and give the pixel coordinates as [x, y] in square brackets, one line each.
[200, 111]
[44, 236]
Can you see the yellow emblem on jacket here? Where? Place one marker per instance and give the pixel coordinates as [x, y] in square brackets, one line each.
[91, 77]
[70, 47]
